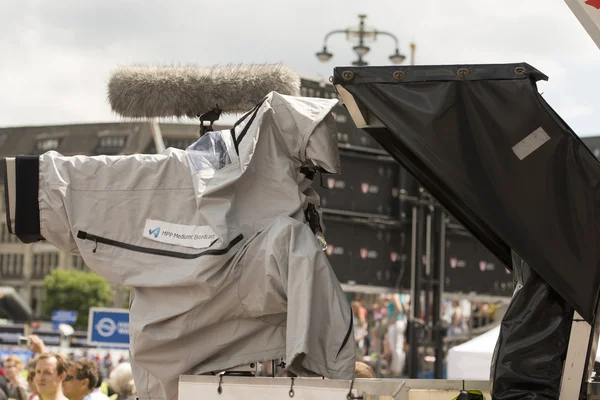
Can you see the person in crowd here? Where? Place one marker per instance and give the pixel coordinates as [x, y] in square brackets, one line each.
[409, 325]
[107, 363]
[363, 370]
[364, 313]
[81, 381]
[102, 384]
[36, 345]
[50, 372]
[375, 330]
[30, 367]
[18, 388]
[493, 310]
[363, 310]
[121, 381]
[3, 388]
[457, 324]
[360, 328]
[384, 352]
[396, 334]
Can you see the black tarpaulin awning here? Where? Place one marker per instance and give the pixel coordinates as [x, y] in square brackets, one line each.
[12, 304]
[483, 141]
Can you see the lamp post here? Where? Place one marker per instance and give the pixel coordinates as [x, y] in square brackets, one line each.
[363, 34]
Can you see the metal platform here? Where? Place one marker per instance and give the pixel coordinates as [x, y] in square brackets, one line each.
[231, 387]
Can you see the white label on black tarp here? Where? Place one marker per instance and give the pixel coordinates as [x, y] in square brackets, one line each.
[531, 143]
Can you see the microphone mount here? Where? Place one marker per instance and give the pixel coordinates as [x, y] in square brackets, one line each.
[207, 119]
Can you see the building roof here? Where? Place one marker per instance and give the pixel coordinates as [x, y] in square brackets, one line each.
[94, 139]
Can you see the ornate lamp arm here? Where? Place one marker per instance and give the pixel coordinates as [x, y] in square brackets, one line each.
[388, 34]
[324, 55]
[333, 33]
[361, 49]
[396, 58]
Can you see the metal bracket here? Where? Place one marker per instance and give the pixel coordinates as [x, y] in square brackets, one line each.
[220, 388]
[350, 396]
[207, 120]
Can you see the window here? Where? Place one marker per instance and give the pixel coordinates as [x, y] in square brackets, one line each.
[11, 266]
[3, 138]
[178, 143]
[5, 236]
[340, 118]
[320, 87]
[44, 145]
[43, 264]
[37, 298]
[79, 264]
[112, 142]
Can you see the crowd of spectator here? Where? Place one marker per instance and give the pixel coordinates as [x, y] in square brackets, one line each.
[380, 334]
[57, 376]
[381, 328]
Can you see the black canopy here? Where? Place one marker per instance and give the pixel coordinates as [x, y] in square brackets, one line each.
[13, 305]
[485, 143]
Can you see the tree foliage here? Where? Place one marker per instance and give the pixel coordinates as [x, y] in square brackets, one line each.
[75, 290]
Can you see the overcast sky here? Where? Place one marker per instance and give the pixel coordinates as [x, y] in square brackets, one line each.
[56, 56]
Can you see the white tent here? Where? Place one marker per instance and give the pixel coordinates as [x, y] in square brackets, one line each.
[473, 359]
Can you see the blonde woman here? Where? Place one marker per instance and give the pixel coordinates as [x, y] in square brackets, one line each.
[18, 388]
[361, 328]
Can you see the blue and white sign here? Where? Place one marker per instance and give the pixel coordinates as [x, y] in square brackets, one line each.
[68, 317]
[108, 327]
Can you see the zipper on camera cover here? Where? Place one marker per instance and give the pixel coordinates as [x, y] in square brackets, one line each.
[158, 252]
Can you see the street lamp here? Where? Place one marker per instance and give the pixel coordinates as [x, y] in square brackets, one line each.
[361, 49]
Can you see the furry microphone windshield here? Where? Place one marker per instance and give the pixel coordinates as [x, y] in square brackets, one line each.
[189, 91]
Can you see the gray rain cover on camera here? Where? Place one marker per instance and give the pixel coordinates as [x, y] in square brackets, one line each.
[214, 241]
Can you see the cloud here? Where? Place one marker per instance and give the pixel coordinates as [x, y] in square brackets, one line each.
[57, 57]
[572, 111]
